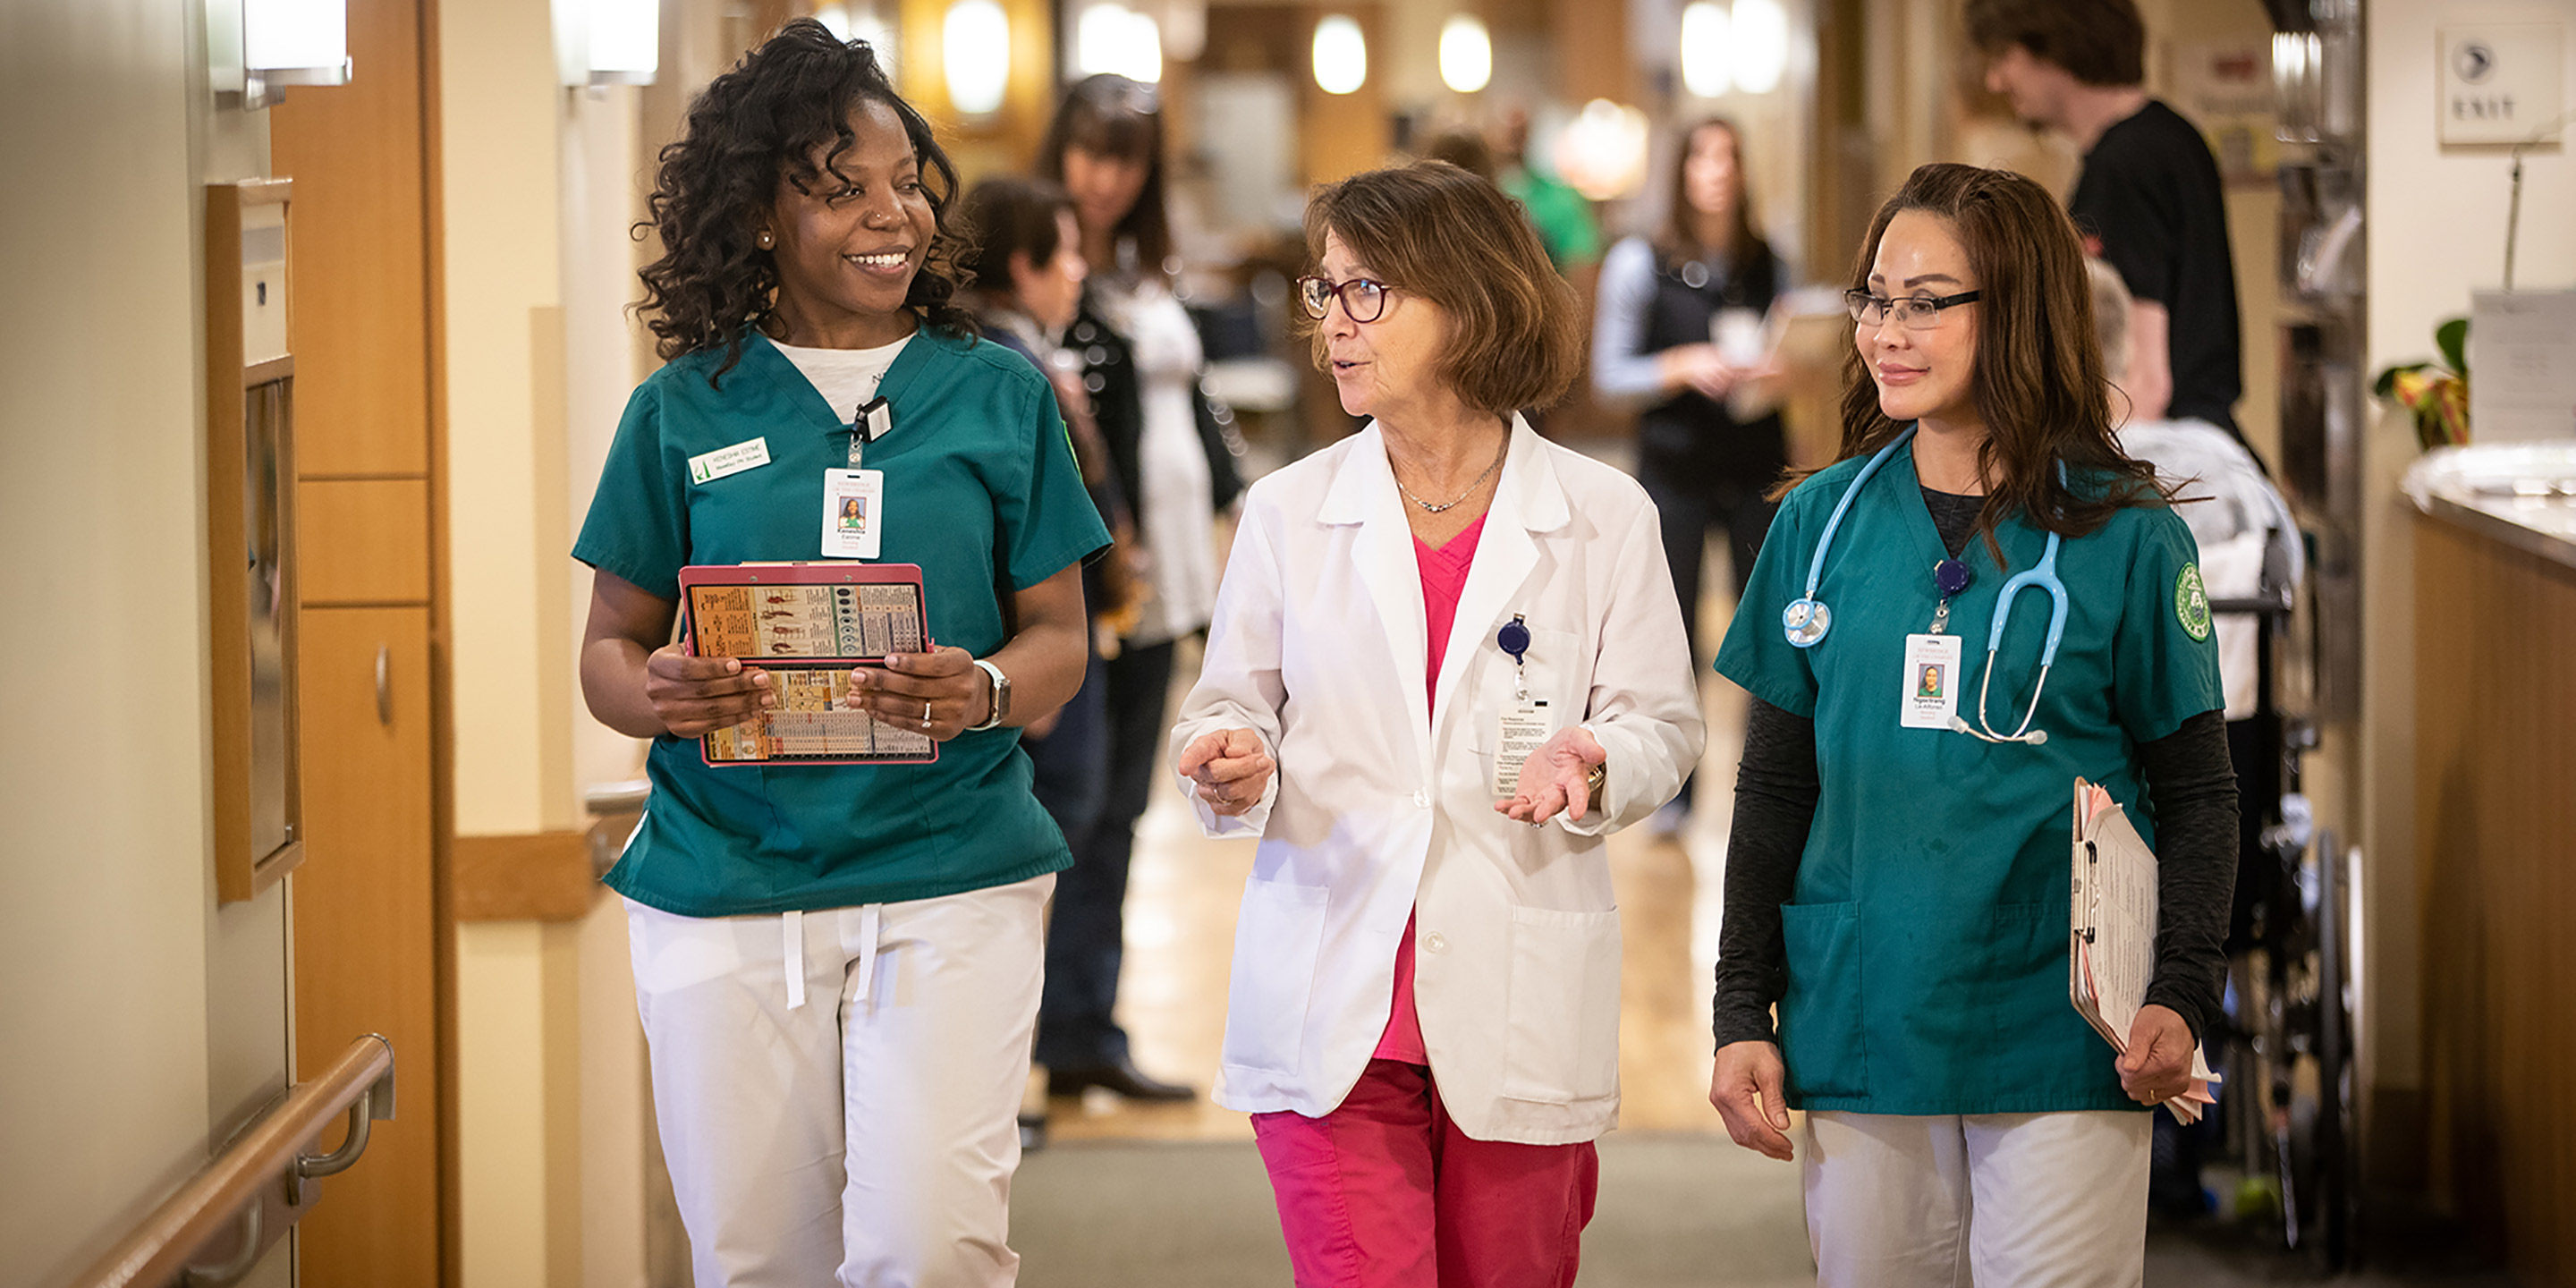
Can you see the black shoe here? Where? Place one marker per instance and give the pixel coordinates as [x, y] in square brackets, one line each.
[1121, 1076]
[1033, 1133]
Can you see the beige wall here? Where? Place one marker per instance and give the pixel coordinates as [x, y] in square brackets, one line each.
[141, 1022]
[2435, 224]
[540, 184]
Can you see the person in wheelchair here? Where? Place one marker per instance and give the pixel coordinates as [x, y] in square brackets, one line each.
[2250, 550]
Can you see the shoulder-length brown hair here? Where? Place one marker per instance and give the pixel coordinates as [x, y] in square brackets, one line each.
[1108, 115]
[1678, 240]
[2037, 376]
[1438, 232]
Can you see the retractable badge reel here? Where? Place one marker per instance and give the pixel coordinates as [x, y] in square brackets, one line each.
[854, 498]
[1520, 727]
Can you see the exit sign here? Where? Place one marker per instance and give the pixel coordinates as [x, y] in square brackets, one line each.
[2501, 82]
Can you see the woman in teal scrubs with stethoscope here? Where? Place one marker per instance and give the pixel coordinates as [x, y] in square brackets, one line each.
[1979, 601]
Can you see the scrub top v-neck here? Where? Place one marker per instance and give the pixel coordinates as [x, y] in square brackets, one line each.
[981, 491]
[1926, 940]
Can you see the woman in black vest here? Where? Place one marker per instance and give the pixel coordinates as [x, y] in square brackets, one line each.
[1664, 303]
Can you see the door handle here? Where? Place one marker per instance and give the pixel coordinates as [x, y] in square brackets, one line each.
[384, 684]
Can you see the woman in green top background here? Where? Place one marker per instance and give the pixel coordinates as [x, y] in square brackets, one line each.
[837, 966]
[1897, 872]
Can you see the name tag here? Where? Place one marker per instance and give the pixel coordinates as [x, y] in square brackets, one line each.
[726, 461]
[853, 513]
[1518, 731]
[1932, 680]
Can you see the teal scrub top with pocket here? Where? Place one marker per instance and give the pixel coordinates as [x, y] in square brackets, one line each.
[1926, 940]
[981, 491]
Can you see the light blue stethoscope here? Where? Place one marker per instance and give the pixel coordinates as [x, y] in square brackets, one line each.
[1806, 619]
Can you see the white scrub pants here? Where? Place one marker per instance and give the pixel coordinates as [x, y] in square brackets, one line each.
[856, 1123]
[1998, 1200]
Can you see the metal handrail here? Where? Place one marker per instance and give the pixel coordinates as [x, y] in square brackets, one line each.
[234, 1189]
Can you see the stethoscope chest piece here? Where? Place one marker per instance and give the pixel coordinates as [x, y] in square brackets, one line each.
[1805, 622]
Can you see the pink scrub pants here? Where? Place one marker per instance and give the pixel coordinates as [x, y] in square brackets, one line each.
[1386, 1192]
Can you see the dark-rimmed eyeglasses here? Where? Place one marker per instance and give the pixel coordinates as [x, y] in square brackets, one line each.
[1913, 312]
[1363, 299]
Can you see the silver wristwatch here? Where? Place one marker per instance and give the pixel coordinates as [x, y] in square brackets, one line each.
[1001, 696]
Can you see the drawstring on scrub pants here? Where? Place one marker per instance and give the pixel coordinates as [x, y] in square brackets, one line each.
[792, 929]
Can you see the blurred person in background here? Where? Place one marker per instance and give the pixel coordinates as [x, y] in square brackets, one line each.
[1446, 663]
[1663, 302]
[2149, 200]
[1025, 253]
[1565, 222]
[1141, 360]
[1463, 148]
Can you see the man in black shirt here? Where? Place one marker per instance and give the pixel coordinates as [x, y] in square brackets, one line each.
[2148, 201]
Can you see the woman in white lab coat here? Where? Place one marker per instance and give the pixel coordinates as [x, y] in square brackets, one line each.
[1446, 662]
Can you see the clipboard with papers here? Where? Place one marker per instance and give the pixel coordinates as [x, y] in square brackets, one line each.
[2111, 932]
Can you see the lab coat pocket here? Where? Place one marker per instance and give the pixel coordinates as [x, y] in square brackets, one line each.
[1823, 1033]
[1278, 939]
[1562, 1006]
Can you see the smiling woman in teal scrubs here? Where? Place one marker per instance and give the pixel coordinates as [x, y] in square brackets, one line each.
[837, 966]
[1897, 872]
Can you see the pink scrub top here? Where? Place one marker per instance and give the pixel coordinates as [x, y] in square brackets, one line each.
[1444, 575]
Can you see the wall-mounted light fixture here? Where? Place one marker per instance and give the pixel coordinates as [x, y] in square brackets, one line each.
[259, 47]
[607, 42]
[1761, 45]
[1602, 151]
[1708, 49]
[1111, 37]
[975, 49]
[1341, 55]
[863, 24]
[1466, 53]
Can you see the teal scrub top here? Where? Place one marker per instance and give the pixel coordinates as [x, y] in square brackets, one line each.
[1927, 936]
[981, 490]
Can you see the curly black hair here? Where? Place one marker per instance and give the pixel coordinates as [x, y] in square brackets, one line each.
[753, 126]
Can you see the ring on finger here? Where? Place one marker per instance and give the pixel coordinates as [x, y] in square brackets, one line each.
[925, 713]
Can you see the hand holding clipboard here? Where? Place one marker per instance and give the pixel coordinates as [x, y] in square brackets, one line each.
[2111, 941]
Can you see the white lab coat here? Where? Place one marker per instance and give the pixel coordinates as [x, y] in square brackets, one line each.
[1319, 646]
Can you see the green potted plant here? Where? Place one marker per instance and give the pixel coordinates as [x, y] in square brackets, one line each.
[2437, 397]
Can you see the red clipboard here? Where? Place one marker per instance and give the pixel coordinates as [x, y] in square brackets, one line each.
[808, 625]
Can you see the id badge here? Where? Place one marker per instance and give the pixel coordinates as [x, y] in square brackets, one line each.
[1932, 678]
[853, 513]
[1518, 731]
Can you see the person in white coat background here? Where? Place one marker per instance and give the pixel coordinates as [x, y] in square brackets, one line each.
[1446, 662]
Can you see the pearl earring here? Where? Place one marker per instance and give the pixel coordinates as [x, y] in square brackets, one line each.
[767, 240]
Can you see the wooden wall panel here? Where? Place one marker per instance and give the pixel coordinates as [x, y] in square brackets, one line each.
[361, 288]
[364, 933]
[364, 541]
[2495, 781]
[369, 927]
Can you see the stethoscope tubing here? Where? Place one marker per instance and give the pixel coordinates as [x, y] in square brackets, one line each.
[2042, 575]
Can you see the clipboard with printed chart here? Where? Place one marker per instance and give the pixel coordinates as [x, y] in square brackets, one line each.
[808, 625]
[2111, 932]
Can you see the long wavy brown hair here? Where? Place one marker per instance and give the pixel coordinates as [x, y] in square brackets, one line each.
[2037, 376]
[753, 128]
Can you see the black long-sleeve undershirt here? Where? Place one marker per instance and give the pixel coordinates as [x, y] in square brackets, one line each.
[2191, 788]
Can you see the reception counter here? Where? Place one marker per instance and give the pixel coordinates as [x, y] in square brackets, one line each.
[2495, 783]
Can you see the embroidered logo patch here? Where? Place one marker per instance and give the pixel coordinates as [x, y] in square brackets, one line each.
[2191, 602]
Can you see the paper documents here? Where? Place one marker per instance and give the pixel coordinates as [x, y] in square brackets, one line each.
[2111, 933]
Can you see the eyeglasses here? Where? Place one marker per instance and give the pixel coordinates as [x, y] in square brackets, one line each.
[1363, 299]
[1913, 312]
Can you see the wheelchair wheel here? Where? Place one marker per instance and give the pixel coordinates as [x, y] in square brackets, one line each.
[2315, 1114]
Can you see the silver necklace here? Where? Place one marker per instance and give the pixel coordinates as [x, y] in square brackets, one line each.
[1471, 488]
